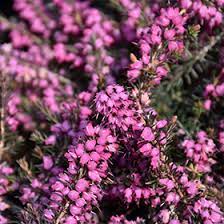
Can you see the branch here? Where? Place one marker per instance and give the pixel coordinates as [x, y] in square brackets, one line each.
[188, 65]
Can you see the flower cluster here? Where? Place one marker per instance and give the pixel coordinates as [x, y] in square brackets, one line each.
[28, 59]
[87, 167]
[135, 14]
[164, 36]
[43, 85]
[209, 15]
[115, 104]
[6, 186]
[213, 92]
[200, 151]
[209, 211]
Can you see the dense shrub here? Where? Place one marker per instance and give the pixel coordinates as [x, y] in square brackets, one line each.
[112, 112]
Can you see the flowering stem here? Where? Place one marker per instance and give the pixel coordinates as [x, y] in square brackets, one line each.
[188, 66]
[207, 48]
[174, 180]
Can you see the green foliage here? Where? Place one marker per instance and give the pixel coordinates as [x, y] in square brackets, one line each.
[182, 93]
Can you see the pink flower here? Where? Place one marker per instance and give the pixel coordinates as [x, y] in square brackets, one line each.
[58, 186]
[209, 88]
[207, 104]
[36, 183]
[172, 198]
[216, 217]
[192, 188]
[146, 149]
[70, 220]
[50, 140]
[81, 185]
[138, 193]
[169, 34]
[203, 11]
[168, 183]
[90, 145]
[48, 214]
[165, 215]
[47, 162]
[79, 150]
[136, 65]
[161, 124]
[75, 210]
[161, 71]
[128, 194]
[173, 46]
[94, 176]
[186, 4]
[85, 159]
[73, 195]
[90, 131]
[87, 196]
[220, 90]
[163, 21]
[147, 134]
[3, 206]
[95, 156]
[80, 202]
[133, 74]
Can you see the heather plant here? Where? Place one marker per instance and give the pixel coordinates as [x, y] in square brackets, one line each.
[111, 112]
